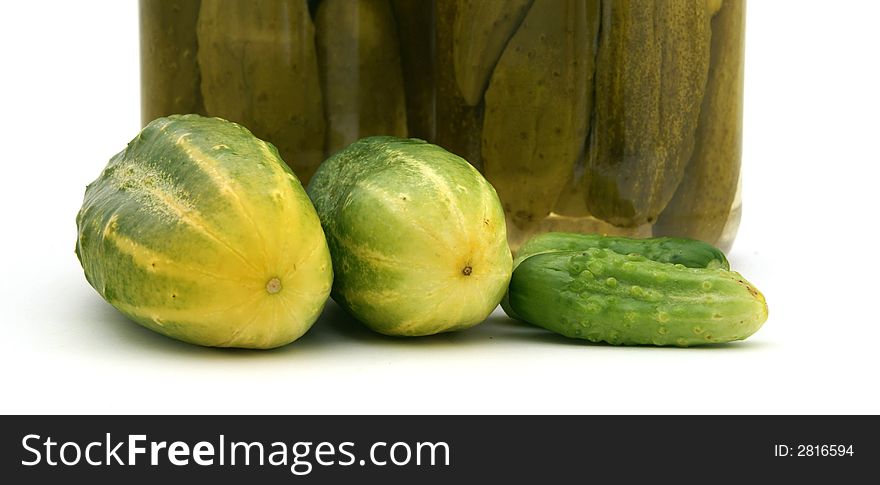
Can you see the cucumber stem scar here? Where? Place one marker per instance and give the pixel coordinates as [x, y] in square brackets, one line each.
[273, 286]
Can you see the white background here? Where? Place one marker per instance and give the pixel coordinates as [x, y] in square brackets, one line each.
[69, 99]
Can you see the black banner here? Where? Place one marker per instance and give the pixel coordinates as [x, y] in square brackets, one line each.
[436, 449]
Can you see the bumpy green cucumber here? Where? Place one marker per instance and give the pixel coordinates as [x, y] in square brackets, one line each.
[199, 231]
[538, 107]
[651, 71]
[415, 27]
[416, 234]
[259, 68]
[361, 78]
[170, 73]
[703, 202]
[480, 32]
[687, 252]
[603, 296]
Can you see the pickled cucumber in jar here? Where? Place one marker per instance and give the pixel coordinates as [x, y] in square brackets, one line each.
[651, 71]
[705, 205]
[415, 30]
[259, 68]
[361, 77]
[537, 108]
[169, 70]
[458, 123]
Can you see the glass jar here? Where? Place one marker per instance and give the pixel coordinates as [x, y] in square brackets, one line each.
[618, 117]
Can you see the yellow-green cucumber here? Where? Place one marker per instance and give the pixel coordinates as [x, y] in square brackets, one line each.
[199, 231]
[416, 234]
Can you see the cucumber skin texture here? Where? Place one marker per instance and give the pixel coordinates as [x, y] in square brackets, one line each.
[688, 252]
[185, 227]
[601, 296]
[403, 219]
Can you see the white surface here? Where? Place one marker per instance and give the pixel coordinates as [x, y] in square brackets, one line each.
[70, 100]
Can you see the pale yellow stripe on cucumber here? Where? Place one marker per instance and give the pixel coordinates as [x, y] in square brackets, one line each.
[290, 313]
[191, 217]
[222, 182]
[440, 296]
[197, 315]
[373, 298]
[318, 244]
[491, 212]
[376, 257]
[155, 262]
[292, 224]
[400, 208]
[257, 314]
[447, 195]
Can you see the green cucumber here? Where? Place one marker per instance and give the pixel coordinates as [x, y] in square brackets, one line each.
[416, 234]
[602, 296]
[199, 231]
[688, 252]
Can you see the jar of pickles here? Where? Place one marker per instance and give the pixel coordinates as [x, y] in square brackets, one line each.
[610, 116]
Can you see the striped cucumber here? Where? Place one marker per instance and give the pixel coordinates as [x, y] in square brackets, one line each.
[417, 236]
[602, 296]
[199, 231]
